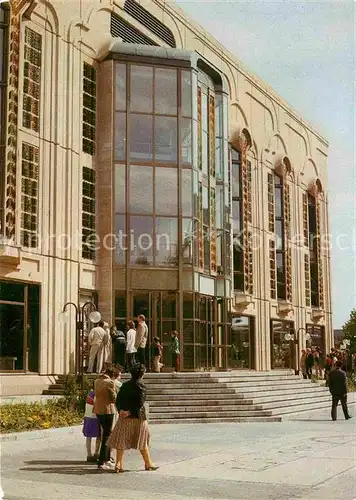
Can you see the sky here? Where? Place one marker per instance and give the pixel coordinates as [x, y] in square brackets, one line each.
[305, 50]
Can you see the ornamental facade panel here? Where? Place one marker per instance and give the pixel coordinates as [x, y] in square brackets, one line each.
[270, 182]
[32, 80]
[272, 269]
[246, 177]
[305, 220]
[307, 280]
[29, 195]
[319, 256]
[287, 231]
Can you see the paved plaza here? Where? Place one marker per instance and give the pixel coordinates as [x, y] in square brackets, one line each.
[309, 457]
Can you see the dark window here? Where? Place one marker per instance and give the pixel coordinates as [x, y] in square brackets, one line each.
[280, 239]
[29, 195]
[119, 28]
[89, 108]
[237, 213]
[88, 214]
[150, 22]
[313, 250]
[32, 79]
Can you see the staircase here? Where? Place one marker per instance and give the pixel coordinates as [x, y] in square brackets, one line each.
[237, 396]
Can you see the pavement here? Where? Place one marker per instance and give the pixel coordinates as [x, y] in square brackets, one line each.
[308, 457]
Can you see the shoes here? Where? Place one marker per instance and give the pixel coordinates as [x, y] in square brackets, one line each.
[118, 470]
[348, 417]
[92, 459]
[151, 468]
[108, 466]
[96, 457]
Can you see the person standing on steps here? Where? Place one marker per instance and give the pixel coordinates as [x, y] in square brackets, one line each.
[338, 390]
[96, 340]
[141, 339]
[130, 345]
[175, 351]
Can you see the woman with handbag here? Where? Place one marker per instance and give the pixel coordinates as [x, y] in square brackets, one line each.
[131, 430]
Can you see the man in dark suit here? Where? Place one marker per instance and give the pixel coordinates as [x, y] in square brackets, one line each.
[338, 390]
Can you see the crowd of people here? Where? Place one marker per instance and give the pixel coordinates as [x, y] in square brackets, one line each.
[313, 363]
[110, 346]
[115, 417]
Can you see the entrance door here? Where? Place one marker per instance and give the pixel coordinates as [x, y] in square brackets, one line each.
[19, 326]
[282, 349]
[242, 343]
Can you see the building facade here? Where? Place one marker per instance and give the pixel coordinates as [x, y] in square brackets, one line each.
[145, 170]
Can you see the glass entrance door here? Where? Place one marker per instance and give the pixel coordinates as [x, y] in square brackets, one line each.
[282, 350]
[12, 340]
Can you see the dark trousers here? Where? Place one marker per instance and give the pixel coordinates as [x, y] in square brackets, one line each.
[130, 361]
[105, 422]
[175, 362]
[335, 402]
[309, 371]
[141, 355]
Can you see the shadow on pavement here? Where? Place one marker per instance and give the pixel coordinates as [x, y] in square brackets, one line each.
[58, 462]
[76, 471]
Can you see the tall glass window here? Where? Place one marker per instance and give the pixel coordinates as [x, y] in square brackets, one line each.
[313, 254]
[280, 237]
[153, 106]
[237, 220]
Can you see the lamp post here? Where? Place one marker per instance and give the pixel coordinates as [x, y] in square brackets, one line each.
[94, 317]
[295, 338]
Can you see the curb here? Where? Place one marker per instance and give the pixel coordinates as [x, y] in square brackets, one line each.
[40, 434]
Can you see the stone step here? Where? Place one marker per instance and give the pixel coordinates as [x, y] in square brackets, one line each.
[250, 390]
[276, 383]
[206, 414]
[53, 392]
[197, 402]
[206, 408]
[193, 391]
[301, 408]
[290, 404]
[288, 397]
[217, 420]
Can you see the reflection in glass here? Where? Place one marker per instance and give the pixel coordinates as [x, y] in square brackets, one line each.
[205, 152]
[166, 91]
[33, 327]
[12, 336]
[166, 191]
[166, 139]
[120, 136]
[120, 188]
[187, 241]
[188, 310]
[120, 305]
[141, 137]
[141, 240]
[121, 239]
[120, 87]
[186, 140]
[186, 93]
[204, 112]
[141, 89]
[166, 241]
[166, 305]
[141, 190]
[242, 342]
[282, 350]
[187, 193]
[219, 253]
[278, 203]
[219, 203]
[236, 217]
[219, 162]
[279, 235]
[206, 214]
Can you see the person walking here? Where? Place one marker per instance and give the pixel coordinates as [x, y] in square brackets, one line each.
[338, 390]
[91, 428]
[107, 346]
[131, 430]
[303, 367]
[175, 351]
[104, 408]
[309, 363]
[130, 345]
[141, 339]
[96, 353]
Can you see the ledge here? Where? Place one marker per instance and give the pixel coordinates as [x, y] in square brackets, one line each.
[242, 299]
[284, 307]
[318, 314]
[9, 254]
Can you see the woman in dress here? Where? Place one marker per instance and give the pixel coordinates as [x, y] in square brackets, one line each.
[107, 346]
[131, 430]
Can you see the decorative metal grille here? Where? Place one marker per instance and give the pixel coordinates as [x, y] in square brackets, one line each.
[32, 80]
[119, 28]
[247, 219]
[88, 213]
[29, 195]
[319, 256]
[271, 223]
[305, 220]
[287, 231]
[89, 108]
[200, 229]
[11, 150]
[150, 22]
[212, 133]
[200, 130]
[307, 280]
[272, 269]
[212, 231]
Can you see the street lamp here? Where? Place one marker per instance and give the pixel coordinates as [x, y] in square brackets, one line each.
[94, 317]
[295, 338]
